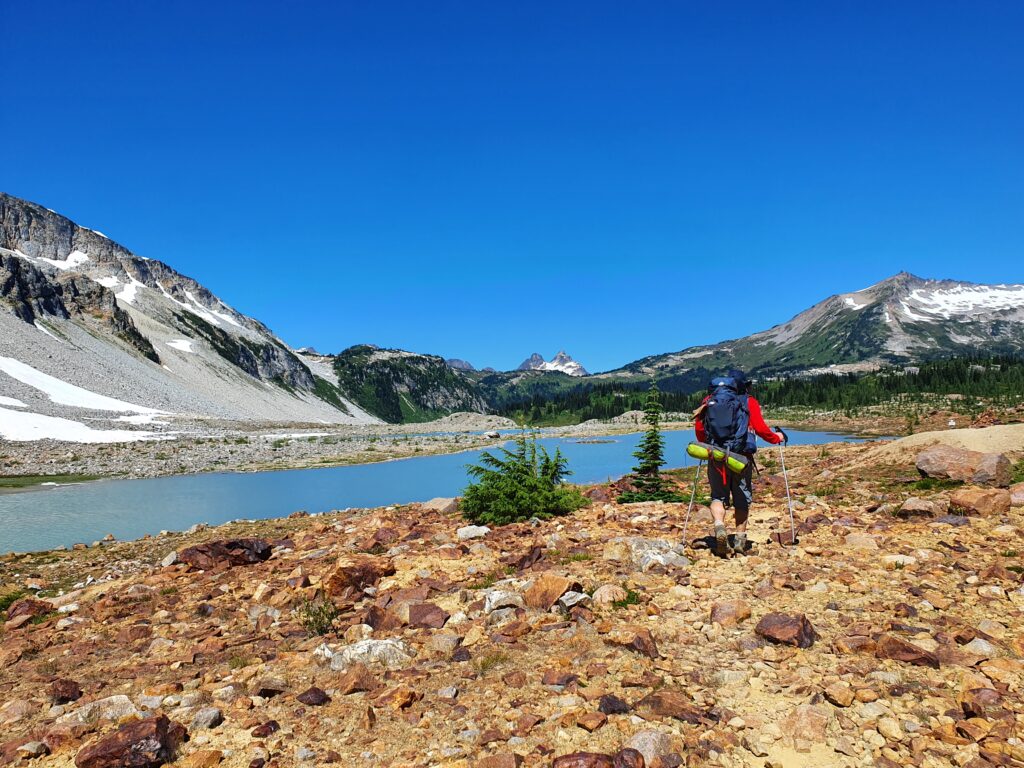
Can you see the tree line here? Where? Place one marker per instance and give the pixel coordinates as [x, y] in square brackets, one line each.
[996, 380]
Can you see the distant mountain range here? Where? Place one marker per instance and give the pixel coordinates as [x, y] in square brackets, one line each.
[80, 313]
[899, 320]
[560, 362]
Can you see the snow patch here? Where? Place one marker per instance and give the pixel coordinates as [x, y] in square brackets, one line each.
[23, 427]
[75, 258]
[910, 313]
[13, 402]
[182, 345]
[888, 317]
[198, 309]
[127, 295]
[965, 299]
[97, 232]
[40, 327]
[851, 303]
[107, 282]
[63, 393]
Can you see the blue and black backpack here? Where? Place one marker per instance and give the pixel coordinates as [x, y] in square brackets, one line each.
[727, 416]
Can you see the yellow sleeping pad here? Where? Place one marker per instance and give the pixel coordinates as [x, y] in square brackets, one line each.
[704, 452]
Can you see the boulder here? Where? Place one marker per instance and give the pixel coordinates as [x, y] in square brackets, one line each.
[226, 553]
[889, 646]
[787, 629]
[1017, 495]
[981, 501]
[443, 505]
[948, 462]
[670, 702]
[469, 532]
[313, 697]
[354, 573]
[26, 609]
[729, 613]
[607, 594]
[651, 744]
[140, 744]
[915, 507]
[645, 554]
[389, 652]
[110, 708]
[421, 614]
[63, 691]
[545, 590]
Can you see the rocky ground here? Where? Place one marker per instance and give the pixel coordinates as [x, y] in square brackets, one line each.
[889, 634]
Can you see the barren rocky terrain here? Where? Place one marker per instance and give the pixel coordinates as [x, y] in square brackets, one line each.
[889, 633]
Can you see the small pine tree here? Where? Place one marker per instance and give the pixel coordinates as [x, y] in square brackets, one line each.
[522, 483]
[646, 477]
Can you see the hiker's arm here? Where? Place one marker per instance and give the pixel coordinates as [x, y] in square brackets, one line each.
[698, 422]
[757, 424]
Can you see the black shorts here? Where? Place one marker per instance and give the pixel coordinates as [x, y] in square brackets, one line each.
[735, 488]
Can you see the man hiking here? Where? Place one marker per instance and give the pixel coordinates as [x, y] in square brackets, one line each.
[729, 418]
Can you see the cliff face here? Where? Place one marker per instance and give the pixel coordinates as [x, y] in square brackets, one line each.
[403, 386]
[206, 357]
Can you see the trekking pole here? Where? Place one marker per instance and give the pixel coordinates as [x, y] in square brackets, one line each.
[785, 475]
[693, 495]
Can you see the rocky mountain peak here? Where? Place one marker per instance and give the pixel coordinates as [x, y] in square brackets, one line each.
[561, 362]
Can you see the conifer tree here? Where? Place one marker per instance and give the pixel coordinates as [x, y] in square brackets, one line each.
[650, 453]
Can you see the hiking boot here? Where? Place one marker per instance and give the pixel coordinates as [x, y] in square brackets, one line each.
[740, 543]
[721, 541]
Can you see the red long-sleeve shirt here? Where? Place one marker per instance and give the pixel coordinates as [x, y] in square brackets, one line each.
[757, 424]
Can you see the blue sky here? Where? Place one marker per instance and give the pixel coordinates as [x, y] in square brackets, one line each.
[484, 180]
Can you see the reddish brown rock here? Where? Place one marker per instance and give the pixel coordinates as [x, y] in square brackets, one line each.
[891, 647]
[140, 744]
[628, 758]
[591, 721]
[399, 697]
[729, 613]
[266, 729]
[985, 502]
[63, 691]
[27, 609]
[502, 760]
[787, 629]
[313, 697]
[584, 760]
[1017, 495]
[669, 702]
[354, 574]
[225, 553]
[545, 590]
[357, 678]
[946, 461]
[422, 615]
[643, 643]
[980, 702]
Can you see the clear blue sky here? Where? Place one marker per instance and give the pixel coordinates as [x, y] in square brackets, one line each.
[485, 180]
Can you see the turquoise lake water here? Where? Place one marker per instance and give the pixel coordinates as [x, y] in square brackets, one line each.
[64, 515]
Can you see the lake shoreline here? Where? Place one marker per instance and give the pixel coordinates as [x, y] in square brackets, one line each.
[228, 455]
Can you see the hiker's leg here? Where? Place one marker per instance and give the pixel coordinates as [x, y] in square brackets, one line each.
[719, 493]
[743, 496]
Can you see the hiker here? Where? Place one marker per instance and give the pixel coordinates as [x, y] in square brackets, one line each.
[729, 417]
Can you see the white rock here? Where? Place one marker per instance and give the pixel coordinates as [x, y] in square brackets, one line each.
[110, 708]
[389, 652]
[468, 532]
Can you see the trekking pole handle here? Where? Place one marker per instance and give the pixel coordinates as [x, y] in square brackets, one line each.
[785, 437]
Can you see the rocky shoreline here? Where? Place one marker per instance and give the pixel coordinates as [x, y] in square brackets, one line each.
[889, 634]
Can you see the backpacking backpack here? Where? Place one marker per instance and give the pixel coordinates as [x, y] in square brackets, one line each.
[727, 417]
